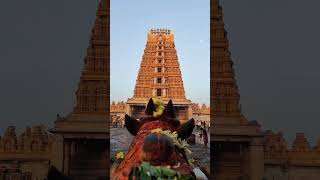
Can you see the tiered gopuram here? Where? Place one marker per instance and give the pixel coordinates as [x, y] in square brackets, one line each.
[82, 148]
[238, 143]
[160, 76]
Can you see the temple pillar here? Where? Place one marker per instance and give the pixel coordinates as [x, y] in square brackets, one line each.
[67, 154]
[256, 158]
[57, 152]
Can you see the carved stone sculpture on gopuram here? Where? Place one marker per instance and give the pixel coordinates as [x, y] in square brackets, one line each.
[159, 76]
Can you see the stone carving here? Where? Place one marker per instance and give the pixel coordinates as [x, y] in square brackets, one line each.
[92, 93]
[159, 68]
[159, 76]
[118, 107]
[300, 144]
[36, 139]
[275, 144]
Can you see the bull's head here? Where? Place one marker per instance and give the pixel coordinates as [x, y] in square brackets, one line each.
[158, 149]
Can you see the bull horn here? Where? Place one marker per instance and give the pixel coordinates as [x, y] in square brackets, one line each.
[185, 130]
[132, 125]
[169, 111]
[150, 107]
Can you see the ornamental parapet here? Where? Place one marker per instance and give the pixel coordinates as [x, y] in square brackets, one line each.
[36, 141]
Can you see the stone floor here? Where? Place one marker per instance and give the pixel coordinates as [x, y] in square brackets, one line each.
[120, 140]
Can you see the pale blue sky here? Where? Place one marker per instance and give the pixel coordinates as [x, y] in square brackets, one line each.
[190, 21]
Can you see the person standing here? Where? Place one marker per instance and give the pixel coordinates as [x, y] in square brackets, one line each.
[204, 136]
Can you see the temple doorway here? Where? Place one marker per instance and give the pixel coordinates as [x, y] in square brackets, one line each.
[230, 161]
[86, 159]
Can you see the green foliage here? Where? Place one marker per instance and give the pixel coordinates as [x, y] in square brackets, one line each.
[149, 172]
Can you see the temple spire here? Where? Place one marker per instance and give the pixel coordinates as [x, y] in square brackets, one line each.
[159, 75]
[92, 93]
[225, 93]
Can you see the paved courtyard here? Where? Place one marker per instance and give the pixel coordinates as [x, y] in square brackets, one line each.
[120, 140]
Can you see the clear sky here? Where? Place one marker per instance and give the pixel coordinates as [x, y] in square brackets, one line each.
[190, 21]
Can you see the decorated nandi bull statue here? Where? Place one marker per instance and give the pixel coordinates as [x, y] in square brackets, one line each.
[159, 149]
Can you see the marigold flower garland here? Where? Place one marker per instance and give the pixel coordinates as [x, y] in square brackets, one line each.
[120, 155]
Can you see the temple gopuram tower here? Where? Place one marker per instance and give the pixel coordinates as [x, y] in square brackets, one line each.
[238, 143]
[81, 148]
[159, 76]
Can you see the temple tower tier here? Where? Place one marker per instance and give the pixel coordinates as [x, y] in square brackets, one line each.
[159, 76]
[237, 142]
[81, 147]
